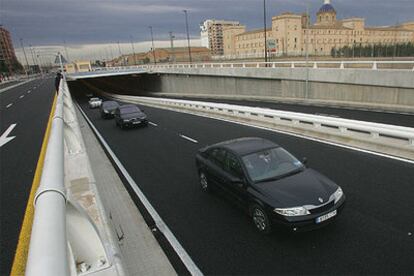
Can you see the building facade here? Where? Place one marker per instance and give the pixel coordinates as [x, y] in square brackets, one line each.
[294, 35]
[212, 34]
[7, 54]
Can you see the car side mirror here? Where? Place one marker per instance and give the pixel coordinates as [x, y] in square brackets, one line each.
[305, 161]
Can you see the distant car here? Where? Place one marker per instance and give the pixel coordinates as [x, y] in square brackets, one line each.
[270, 184]
[95, 102]
[108, 109]
[130, 115]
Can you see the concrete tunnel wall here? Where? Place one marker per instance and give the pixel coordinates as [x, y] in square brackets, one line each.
[322, 93]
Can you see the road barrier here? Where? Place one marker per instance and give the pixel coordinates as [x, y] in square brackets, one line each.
[374, 65]
[66, 239]
[389, 139]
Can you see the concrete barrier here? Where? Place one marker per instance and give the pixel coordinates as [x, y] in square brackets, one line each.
[386, 139]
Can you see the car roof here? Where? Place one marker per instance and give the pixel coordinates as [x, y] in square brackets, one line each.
[247, 145]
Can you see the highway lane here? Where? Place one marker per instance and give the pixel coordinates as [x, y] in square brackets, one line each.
[374, 235]
[18, 157]
[355, 114]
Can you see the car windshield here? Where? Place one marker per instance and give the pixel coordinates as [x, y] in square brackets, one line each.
[129, 109]
[271, 164]
[110, 104]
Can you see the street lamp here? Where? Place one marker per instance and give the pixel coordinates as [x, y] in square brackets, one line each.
[133, 50]
[265, 31]
[153, 49]
[188, 36]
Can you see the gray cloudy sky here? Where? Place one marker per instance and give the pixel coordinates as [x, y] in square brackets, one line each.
[49, 22]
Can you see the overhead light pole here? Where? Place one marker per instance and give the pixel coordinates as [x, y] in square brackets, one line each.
[133, 50]
[25, 56]
[265, 31]
[172, 46]
[188, 36]
[152, 41]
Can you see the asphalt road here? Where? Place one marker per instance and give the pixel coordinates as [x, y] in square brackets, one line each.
[18, 157]
[374, 234]
[355, 114]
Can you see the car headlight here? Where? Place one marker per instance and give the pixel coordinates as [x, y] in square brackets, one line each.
[106, 111]
[338, 194]
[291, 212]
[126, 120]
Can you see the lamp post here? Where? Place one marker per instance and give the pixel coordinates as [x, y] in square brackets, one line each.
[25, 57]
[172, 47]
[265, 31]
[133, 50]
[188, 36]
[152, 41]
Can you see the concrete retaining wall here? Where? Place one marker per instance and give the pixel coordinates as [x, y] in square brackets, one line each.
[380, 90]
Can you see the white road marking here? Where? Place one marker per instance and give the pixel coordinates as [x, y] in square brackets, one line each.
[4, 139]
[185, 258]
[10, 104]
[153, 124]
[22, 96]
[189, 138]
[28, 92]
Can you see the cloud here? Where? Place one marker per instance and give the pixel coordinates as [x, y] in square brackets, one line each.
[138, 8]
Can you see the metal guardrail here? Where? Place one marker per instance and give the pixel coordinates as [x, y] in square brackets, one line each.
[370, 133]
[374, 65]
[48, 245]
[65, 240]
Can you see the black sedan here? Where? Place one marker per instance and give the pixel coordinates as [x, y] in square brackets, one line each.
[130, 115]
[270, 184]
[108, 109]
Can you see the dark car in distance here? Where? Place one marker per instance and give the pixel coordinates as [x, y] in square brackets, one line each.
[108, 109]
[130, 115]
[269, 183]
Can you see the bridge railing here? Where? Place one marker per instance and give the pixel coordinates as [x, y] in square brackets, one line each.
[48, 245]
[373, 65]
[65, 238]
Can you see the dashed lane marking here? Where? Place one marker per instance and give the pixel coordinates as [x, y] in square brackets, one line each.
[21, 97]
[189, 139]
[10, 104]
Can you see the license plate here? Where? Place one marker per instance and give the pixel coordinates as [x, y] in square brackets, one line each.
[325, 217]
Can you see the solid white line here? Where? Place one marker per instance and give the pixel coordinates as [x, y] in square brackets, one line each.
[10, 104]
[4, 139]
[301, 136]
[153, 124]
[22, 96]
[185, 258]
[189, 138]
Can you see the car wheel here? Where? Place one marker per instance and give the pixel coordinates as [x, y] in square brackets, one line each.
[260, 219]
[205, 187]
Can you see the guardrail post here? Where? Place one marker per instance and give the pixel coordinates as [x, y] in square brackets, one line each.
[244, 65]
[221, 65]
[411, 141]
[315, 65]
[292, 65]
[374, 66]
[273, 65]
[342, 65]
[232, 65]
[257, 65]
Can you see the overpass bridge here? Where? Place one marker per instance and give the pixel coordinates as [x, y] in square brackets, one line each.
[145, 181]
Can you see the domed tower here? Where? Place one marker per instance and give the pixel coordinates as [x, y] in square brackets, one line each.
[326, 14]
